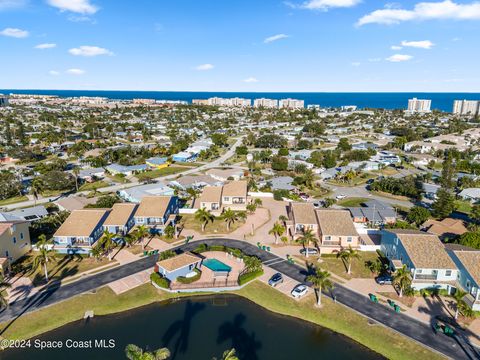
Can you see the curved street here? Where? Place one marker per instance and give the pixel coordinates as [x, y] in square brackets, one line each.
[403, 324]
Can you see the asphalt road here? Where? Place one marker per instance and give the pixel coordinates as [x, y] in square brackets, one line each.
[360, 303]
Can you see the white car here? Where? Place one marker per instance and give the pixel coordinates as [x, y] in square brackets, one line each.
[341, 196]
[299, 291]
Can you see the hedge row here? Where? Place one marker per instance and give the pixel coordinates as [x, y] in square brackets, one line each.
[244, 278]
[204, 247]
[189, 280]
[159, 280]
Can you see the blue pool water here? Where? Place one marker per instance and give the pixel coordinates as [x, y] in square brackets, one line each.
[216, 265]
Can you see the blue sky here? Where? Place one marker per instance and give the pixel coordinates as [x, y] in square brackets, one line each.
[240, 45]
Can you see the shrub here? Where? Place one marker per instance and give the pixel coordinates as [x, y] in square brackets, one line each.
[189, 280]
[167, 254]
[244, 278]
[159, 280]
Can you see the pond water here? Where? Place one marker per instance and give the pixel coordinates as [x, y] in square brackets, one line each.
[195, 329]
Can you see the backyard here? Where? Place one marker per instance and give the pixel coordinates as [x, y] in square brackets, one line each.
[218, 226]
[352, 202]
[152, 174]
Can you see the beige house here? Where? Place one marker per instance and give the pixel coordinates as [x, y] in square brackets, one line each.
[14, 242]
[333, 228]
[232, 195]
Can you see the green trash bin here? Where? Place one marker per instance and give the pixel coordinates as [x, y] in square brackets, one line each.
[397, 308]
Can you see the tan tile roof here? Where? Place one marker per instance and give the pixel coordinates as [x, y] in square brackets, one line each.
[178, 262]
[235, 188]
[81, 222]
[153, 206]
[471, 262]
[336, 222]
[446, 226]
[303, 213]
[425, 250]
[120, 214]
[211, 194]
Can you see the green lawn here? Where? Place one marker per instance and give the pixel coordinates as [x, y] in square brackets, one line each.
[463, 206]
[93, 186]
[118, 178]
[219, 226]
[358, 180]
[65, 266]
[13, 200]
[147, 175]
[352, 202]
[334, 316]
[390, 196]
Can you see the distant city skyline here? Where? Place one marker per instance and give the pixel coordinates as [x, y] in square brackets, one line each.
[257, 46]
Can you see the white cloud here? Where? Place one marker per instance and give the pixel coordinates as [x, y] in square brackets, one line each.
[275, 38]
[77, 6]
[54, 72]
[423, 44]
[204, 67]
[45, 46]
[326, 4]
[395, 47]
[251, 80]
[75, 71]
[13, 32]
[89, 51]
[399, 58]
[11, 4]
[446, 9]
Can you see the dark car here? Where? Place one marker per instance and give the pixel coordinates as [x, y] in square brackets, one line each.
[275, 279]
[309, 251]
[384, 280]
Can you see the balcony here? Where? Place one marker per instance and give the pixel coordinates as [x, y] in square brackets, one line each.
[331, 243]
[470, 300]
[431, 277]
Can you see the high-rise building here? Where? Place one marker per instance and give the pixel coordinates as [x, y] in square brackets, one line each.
[266, 103]
[466, 107]
[3, 100]
[419, 105]
[291, 104]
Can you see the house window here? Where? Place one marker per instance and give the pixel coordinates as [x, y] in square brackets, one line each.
[14, 240]
[448, 273]
[6, 253]
[226, 198]
[468, 284]
[21, 236]
[419, 271]
[328, 238]
[349, 239]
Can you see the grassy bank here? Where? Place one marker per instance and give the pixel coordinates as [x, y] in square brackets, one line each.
[333, 316]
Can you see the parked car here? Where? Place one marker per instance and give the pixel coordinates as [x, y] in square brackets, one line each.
[275, 279]
[384, 280]
[317, 204]
[340, 196]
[309, 251]
[299, 291]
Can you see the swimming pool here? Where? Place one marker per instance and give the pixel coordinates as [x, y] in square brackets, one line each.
[216, 265]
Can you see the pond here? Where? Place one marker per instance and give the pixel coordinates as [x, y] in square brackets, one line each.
[195, 329]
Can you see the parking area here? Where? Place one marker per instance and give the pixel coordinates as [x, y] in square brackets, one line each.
[130, 282]
[285, 287]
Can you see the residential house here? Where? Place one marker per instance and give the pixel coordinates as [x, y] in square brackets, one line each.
[430, 190]
[211, 199]
[195, 182]
[471, 194]
[120, 220]
[281, 183]
[157, 162]
[137, 193]
[14, 242]
[374, 212]
[116, 169]
[226, 174]
[80, 231]
[184, 156]
[445, 229]
[302, 218]
[29, 214]
[468, 264]
[233, 195]
[424, 256]
[91, 174]
[180, 265]
[157, 212]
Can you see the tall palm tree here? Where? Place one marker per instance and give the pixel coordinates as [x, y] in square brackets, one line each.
[402, 279]
[76, 171]
[43, 258]
[141, 233]
[309, 178]
[230, 217]
[320, 280]
[230, 355]
[204, 216]
[3, 298]
[307, 238]
[107, 243]
[133, 352]
[277, 230]
[193, 193]
[347, 255]
[460, 304]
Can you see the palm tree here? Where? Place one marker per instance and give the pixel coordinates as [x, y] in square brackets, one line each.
[252, 263]
[460, 304]
[230, 217]
[320, 280]
[3, 298]
[277, 230]
[282, 218]
[309, 178]
[402, 279]
[34, 189]
[76, 171]
[141, 233]
[133, 352]
[96, 252]
[107, 243]
[307, 238]
[43, 258]
[347, 255]
[193, 193]
[229, 355]
[204, 216]
[130, 238]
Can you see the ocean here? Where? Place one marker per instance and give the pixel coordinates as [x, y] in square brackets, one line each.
[380, 100]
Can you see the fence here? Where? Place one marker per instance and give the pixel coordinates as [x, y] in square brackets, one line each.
[260, 194]
[204, 285]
